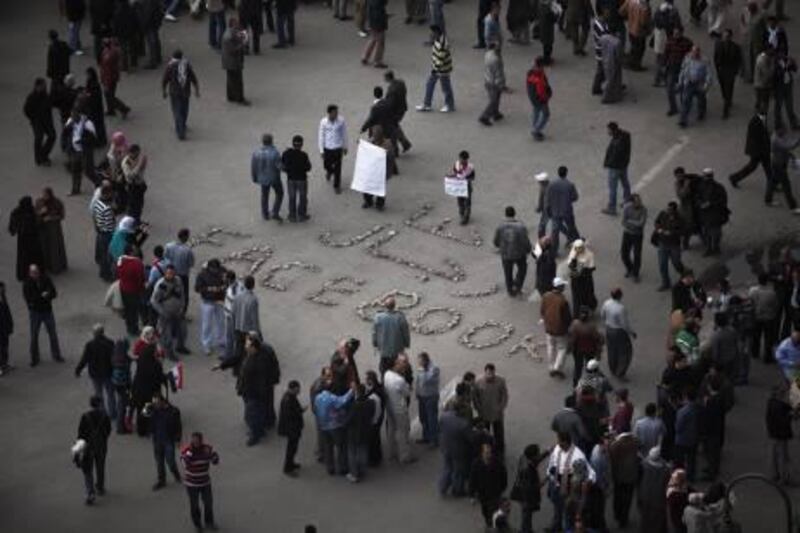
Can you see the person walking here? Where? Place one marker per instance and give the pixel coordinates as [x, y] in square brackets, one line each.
[177, 83]
[390, 334]
[556, 315]
[75, 13]
[39, 112]
[216, 22]
[618, 334]
[58, 60]
[441, 68]
[378, 21]
[332, 140]
[617, 159]
[197, 458]
[93, 431]
[781, 156]
[713, 212]
[265, 170]
[284, 11]
[39, 293]
[634, 218]
[785, 70]
[675, 50]
[210, 285]
[539, 94]
[165, 421]
[494, 80]
[669, 228]
[514, 244]
[110, 67]
[490, 397]
[396, 98]
[167, 301]
[79, 138]
[96, 357]
[180, 254]
[426, 388]
[559, 199]
[757, 148]
[151, 15]
[290, 425]
[295, 162]
[234, 44]
[6, 330]
[728, 62]
[488, 480]
[694, 81]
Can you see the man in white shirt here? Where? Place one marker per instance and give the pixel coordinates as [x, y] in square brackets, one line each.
[80, 148]
[560, 469]
[333, 145]
[398, 396]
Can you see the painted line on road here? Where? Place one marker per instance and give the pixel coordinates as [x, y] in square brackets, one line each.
[670, 154]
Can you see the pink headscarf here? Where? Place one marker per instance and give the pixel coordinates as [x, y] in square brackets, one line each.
[118, 141]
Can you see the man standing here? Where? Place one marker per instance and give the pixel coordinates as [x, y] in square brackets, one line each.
[151, 16]
[290, 425]
[490, 396]
[244, 309]
[197, 459]
[494, 79]
[785, 69]
[766, 307]
[94, 429]
[618, 334]
[426, 385]
[560, 196]
[441, 67]
[455, 446]
[249, 12]
[130, 273]
[104, 226]
[216, 22]
[378, 24]
[713, 211]
[390, 334]
[764, 76]
[782, 147]
[165, 421]
[210, 284]
[234, 43]
[618, 157]
[398, 396]
[58, 56]
[167, 301]
[397, 99]
[511, 237]
[80, 141]
[694, 80]
[296, 164]
[332, 140]
[332, 411]
[669, 228]
[181, 256]
[539, 93]
[265, 170]
[39, 293]
[97, 356]
[177, 82]
[491, 26]
[39, 111]
[634, 218]
[625, 473]
[728, 61]
[599, 28]
[556, 317]
[757, 148]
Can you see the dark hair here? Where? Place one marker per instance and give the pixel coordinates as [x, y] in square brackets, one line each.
[562, 171]
[177, 54]
[332, 108]
[678, 170]
[170, 267]
[53, 34]
[463, 154]
[763, 278]
[613, 126]
[511, 212]
[721, 320]
[425, 357]
[461, 389]
[297, 139]
[532, 452]
[569, 401]
[616, 293]
[539, 61]
[489, 366]
[377, 92]
[134, 149]
[214, 263]
[158, 251]
[564, 437]
[311, 529]
[128, 249]
[622, 394]
[249, 282]
[651, 409]
[183, 234]
[294, 384]
[468, 376]
[96, 402]
[672, 205]
[388, 75]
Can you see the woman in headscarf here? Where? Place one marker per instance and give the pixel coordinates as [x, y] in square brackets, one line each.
[115, 155]
[652, 488]
[147, 381]
[677, 499]
[133, 168]
[50, 213]
[94, 105]
[127, 232]
[147, 338]
[23, 224]
[581, 270]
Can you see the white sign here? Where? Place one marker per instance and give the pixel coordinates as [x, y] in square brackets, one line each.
[456, 187]
[369, 175]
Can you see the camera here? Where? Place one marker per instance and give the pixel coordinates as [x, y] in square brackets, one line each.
[352, 345]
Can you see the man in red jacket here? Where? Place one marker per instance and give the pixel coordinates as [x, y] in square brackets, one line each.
[539, 94]
[110, 66]
[130, 273]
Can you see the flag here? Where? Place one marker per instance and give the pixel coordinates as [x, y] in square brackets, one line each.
[176, 375]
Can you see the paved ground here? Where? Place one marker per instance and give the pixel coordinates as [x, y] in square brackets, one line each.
[204, 183]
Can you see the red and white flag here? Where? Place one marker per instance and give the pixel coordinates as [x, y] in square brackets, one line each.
[177, 375]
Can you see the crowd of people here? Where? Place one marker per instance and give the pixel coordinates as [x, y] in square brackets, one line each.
[600, 452]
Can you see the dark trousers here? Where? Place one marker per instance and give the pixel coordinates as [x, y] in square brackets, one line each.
[180, 113]
[631, 252]
[153, 48]
[374, 450]
[673, 73]
[526, 517]
[270, 417]
[726, 84]
[332, 161]
[577, 370]
[3, 350]
[712, 447]
[235, 86]
[751, 165]
[482, 15]
[164, 453]
[255, 416]
[686, 457]
[44, 137]
[623, 496]
[94, 472]
[636, 52]
[379, 201]
[101, 256]
[492, 110]
[334, 450]
[298, 199]
[186, 289]
[559, 225]
[780, 177]
[114, 104]
[769, 330]
[429, 417]
[514, 283]
[269, 15]
[784, 97]
[499, 434]
[121, 394]
[465, 204]
[762, 98]
[667, 255]
[292, 443]
[49, 321]
[488, 508]
[131, 304]
[277, 186]
[216, 27]
[80, 164]
[195, 494]
[286, 28]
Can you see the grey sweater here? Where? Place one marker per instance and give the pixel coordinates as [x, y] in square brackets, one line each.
[634, 219]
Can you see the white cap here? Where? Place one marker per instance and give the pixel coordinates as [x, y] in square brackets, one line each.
[558, 282]
[541, 176]
[708, 171]
[578, 243]
[592, 365]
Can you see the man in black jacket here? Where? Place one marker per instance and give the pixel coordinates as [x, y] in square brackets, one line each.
[151, 16]
[396, 96]
[290, 425]
[39, 294]
[6, 329]
[779, 431]
[618, 157]
[167, 431]
[96, 356]
[100, 12]
[259, 372]
[210, 284]
[728, 61]
[757, 148]
[38, 109]
[58, 55]
[383, 114]
[94, 429]
[284, 9]
[713, 204]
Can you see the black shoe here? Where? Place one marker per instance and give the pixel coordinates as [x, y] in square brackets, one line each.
[278, 219]
[733, 181]
[183, 349]
[498, 116]
[159, 485]
[484, 121]
[671, 113]
[479, 46]
[278, 45]
[252, 441]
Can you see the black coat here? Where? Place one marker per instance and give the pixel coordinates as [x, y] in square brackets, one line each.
[758, 143]
[358, 428]
[35, 290]
[22, 224]
[97, 356]
[285, 6]
[166, 424]
[290, 417]
[713, 203]
[124, 23]
[101, 13]
[38, 109]
[94, 428]
[618, 153]
[527, 486]
[250, 15]
[545, 271]
[382, 114]
[74, 10]
[396, 96]
[727, 59]
[6, 319]
[712, 418]
[487, 482]
[150, 14]
[259, 372]
[779, 419]
[147, 381]
[58, 56]
[684, 296]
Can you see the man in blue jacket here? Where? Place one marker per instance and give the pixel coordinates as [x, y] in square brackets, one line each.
[265, 168]
[332, 415]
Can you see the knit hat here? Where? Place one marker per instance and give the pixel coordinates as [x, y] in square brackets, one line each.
[592, 365]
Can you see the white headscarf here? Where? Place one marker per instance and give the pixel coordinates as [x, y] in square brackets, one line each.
[127, 224]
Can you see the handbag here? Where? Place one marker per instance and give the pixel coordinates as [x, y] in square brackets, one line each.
[654, 238]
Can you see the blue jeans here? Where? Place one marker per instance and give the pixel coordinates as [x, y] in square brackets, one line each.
[74, 35]
[615, 176]
[170, 6]
[180, 112]
[255, 416]
[667, 254]
[429, 417]
[690, 92]
[565, 225]
[447, 89]
[105, 387]
[216, 26]
[285, 27]
[298, 198]
[277, 186]
[164, 452]
[49, 321]
[541, 114]
[454, 475]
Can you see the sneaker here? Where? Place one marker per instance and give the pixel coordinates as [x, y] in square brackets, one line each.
[160, 485]
[351, 478]
[484, 121]
[446, 109]
[78, 52]
[170, 18]
[422, 108]
[363, 34]
[183, 349]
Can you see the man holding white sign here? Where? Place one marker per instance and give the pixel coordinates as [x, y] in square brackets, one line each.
[372, 169]
[458, 183]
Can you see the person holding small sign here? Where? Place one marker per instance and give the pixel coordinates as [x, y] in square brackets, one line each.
[458, 180]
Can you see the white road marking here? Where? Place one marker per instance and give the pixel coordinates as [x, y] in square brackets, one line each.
[651, 174]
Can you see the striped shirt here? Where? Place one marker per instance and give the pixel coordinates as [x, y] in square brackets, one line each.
[196, 463]
[332, 135]
[103, 216]
[440, 56]
[599, 28]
